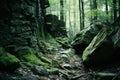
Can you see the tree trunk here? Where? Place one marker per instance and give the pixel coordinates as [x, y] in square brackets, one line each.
[81, 8]
[119, 6]
[106, 6]
[80, 14]
[95, 9]
[61, 10]
[91, 15]
[115, 9]
[82, 3]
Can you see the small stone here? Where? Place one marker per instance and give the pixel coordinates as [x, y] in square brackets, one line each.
[67, 66]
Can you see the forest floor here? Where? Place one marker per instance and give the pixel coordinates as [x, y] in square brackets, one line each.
[70, 66]
[66, 65]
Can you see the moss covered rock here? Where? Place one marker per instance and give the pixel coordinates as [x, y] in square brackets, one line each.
[28, 56]
[100, 51]
[8, 62]
[82, 39]
[43, 58]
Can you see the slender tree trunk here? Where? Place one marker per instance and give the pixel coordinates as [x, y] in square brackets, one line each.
[95, 9]
[119, 6]
[80, 13]
[115, 9]
[64, 11]
[82, 3]
[81, 8]
[39, 19]
[61, 10]
[106, 6]
[91, 16]
[75, 19]
[70, 25]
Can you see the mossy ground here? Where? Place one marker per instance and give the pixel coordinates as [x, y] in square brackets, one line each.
[30, 57]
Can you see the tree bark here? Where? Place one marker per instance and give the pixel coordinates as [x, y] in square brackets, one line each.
[80, 14]
[119, 6]
[106, 6]
[81, 8]
[115, 9]
[95, 9]
[61, 10]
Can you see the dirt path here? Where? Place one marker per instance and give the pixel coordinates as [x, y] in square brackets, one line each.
[71, 64]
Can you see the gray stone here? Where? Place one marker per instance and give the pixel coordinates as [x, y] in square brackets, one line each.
[40, 71]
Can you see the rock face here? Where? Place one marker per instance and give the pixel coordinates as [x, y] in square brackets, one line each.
[82, 39]
[100, 51]
[19, 22]
[19, 28]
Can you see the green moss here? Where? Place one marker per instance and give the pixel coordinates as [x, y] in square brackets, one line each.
[54, 71]
[43, 58]
[28, 56]
[8, 61]
[23, 51]
[55, 63]
[64, 42]
[95, 43]
[1, 51]
[31, 58]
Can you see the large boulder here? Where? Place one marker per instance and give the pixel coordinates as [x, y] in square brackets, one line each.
[82, 39]
[100, 51]
[8, 62]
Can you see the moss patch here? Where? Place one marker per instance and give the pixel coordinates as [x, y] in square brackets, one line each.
[29, 57]
[43, 58]
[8, 61]
[1, 51]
